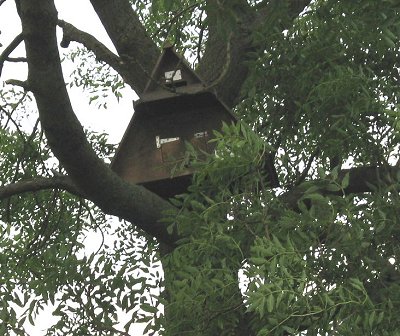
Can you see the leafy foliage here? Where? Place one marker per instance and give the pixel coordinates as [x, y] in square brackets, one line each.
[97, 78]
[324, 269]
[46, 242]
[181, 23]
[327, 86]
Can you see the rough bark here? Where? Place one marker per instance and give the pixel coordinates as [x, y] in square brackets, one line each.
[135, 47]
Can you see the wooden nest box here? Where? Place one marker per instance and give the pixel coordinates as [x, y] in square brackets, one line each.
[174, 108]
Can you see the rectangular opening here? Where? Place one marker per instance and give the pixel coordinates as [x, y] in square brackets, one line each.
[172, 149]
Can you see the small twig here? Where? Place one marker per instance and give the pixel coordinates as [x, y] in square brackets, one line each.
[264, 208]
[44, 232]
[9, 114]
[26, 143]
[78, 224]
[307, 168]
[17, 82]
[226, 310]
[16, 59]
[96, 224]
[14, 122]
[201, 36]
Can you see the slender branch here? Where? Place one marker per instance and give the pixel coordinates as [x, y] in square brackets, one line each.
[12, 120]
[37, 184]
[16, 59]
[304, 173]
[201, 37]
[10, 48]
[102, 53]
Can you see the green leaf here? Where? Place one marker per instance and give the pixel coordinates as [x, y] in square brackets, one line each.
[270, 303]
[258, 261]
[148, 308]
[345, 181]
[357, 284]
[390, 43]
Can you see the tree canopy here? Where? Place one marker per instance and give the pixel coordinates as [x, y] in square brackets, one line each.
[314, 85]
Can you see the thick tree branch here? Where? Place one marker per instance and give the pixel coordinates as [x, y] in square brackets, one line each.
[297, 6]
[368, 179]
[10, 48]
[102, 53]
[230, 57]
[223, 64]
[40, 183]
[65, 134]
[129, 37]
[361, 180]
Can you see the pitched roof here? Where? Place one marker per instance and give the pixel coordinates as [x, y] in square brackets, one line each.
[170, 69]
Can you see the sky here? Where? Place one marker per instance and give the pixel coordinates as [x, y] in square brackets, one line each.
[112, 121]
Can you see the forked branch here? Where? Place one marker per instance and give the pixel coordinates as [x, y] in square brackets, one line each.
[9, 49]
